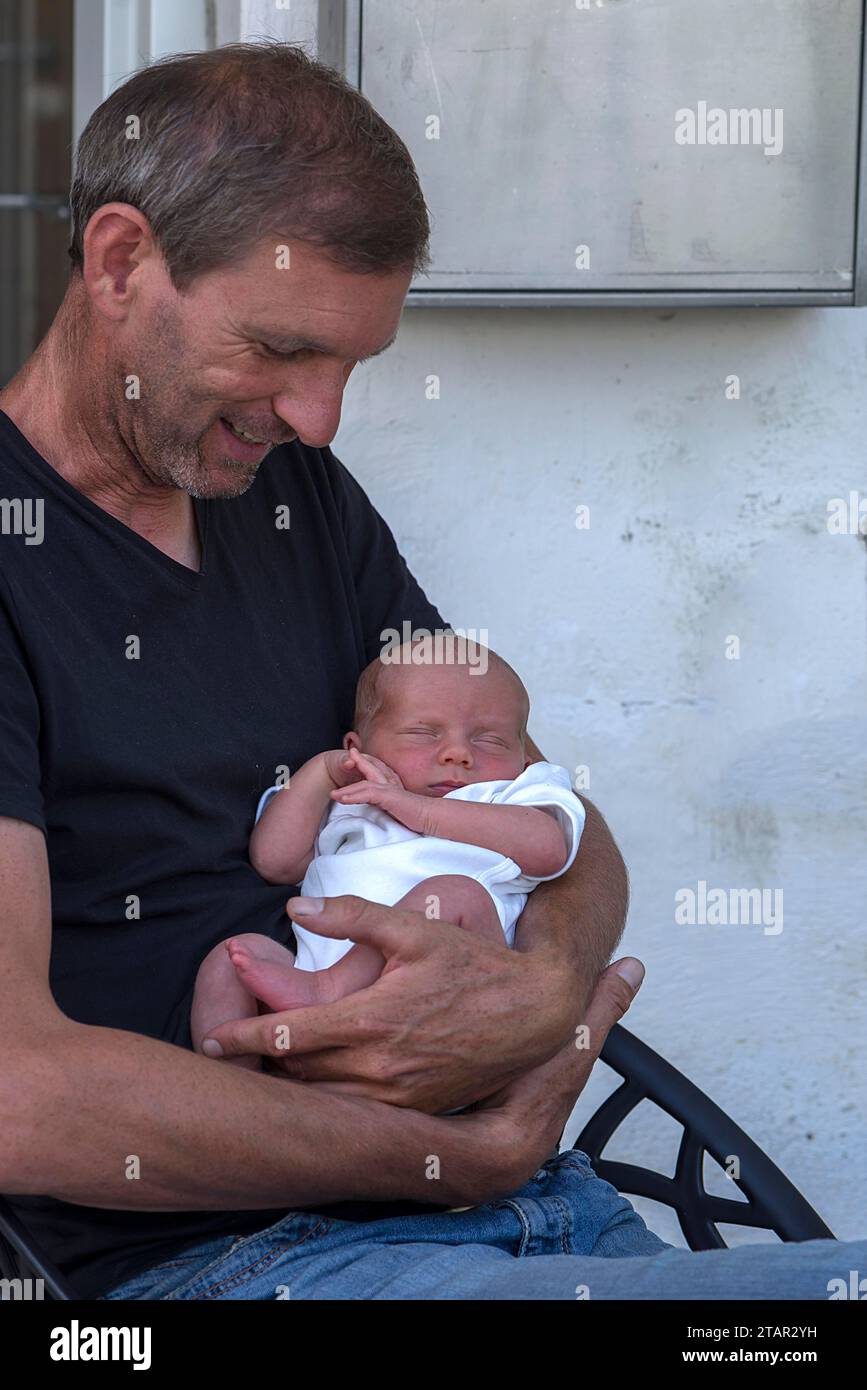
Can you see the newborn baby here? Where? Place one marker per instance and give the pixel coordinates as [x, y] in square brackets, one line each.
[431, 805]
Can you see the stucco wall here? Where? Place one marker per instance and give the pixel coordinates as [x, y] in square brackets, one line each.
[708, 519]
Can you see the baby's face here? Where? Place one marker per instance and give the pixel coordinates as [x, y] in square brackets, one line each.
[442, 727]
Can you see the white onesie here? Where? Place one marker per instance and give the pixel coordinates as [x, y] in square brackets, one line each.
[363, 850]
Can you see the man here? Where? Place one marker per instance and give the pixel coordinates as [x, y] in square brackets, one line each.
[245, 228]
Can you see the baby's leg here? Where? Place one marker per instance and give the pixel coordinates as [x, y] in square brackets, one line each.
[238, 973]
[268, 971]
[361, 965]
[457, 899]
[220, 994]
[451, 897]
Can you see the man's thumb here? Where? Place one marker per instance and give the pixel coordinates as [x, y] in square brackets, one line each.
[346, 917]
[615, 990]
[631, 970]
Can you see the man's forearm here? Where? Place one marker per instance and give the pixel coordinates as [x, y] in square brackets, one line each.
[113, 1119]
[578, 918]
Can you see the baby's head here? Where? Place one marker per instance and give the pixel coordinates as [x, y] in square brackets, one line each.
[442, 723]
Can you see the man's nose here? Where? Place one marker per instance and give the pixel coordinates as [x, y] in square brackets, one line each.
[313, 405]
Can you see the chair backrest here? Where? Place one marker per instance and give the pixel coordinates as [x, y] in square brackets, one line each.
[773, 1202]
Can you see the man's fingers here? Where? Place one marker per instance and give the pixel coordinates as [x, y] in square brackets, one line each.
[241, 1037]
[616, 988]
[336, 1024]
[357, 919]
[285, 1034]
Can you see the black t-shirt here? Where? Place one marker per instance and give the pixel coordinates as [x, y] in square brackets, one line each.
[144, 708]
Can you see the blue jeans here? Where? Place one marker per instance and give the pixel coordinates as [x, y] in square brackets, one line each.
[564, 1235]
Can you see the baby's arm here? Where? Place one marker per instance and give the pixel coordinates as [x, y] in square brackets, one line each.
[281, 846]
[530, 835]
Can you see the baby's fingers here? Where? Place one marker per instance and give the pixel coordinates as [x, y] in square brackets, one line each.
[375, 770]
[356, 791]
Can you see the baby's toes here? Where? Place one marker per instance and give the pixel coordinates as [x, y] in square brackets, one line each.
[239, 955]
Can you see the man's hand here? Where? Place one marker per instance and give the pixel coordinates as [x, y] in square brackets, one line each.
[512, 1133]
[452, 1018]
[528, 1115]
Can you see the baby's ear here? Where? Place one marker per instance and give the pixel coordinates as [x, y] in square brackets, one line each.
[351, 740]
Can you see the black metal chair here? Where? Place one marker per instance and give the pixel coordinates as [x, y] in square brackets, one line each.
[773, 1203]
[22, 1258]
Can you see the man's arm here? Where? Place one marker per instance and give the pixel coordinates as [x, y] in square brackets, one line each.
[577, 920]
[78, 1104]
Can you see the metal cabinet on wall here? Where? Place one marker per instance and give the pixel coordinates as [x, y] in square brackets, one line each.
[625, 151]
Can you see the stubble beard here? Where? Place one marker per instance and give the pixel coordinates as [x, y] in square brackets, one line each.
[188, 471]
[176, 461]
[181, 463]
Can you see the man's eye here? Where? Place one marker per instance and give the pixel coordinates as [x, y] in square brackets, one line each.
[272, 352]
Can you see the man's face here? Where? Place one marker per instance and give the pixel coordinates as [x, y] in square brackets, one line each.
[238, 348]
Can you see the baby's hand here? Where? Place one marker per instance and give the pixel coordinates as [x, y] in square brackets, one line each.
[373, 769]
[380, 786]
[340, 767]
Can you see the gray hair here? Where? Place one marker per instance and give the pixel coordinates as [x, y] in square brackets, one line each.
[251, 139]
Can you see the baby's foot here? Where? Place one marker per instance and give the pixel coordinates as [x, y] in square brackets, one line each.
[267, 970]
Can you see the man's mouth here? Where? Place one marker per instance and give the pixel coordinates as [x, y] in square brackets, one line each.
[241, 446]
[242, 434]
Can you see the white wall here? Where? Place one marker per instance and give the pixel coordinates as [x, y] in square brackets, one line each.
[708, 518]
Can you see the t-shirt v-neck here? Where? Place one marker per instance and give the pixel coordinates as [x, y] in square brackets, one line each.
[55, 480]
